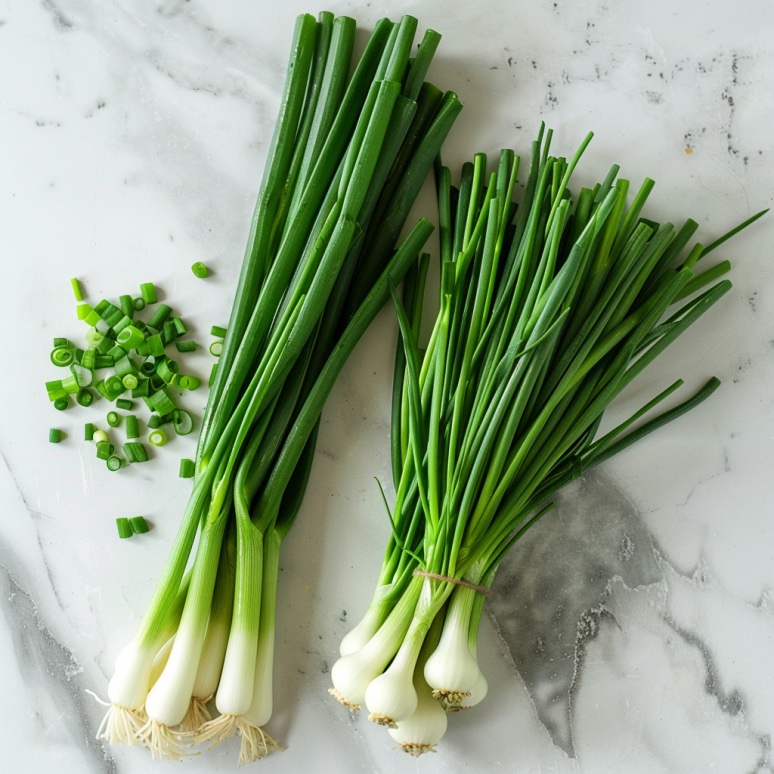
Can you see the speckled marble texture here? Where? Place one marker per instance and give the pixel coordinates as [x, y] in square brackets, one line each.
[632, 629]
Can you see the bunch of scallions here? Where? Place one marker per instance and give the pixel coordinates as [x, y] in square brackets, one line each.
[547, 312]
[352, 146]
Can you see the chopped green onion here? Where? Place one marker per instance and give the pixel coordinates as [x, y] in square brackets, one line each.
[187, 468]
[84, 397]
[159, 316]
[157, 437]
[124, 404]
[148, 292]
[77, 291]
[88, 431]
[54, 435]
[218, 331]
[180, 328]
[55, 389]
[62, 356]
[105, 449]
[216, 348]
[167, 369]
[139, 525]
[155, 345]
[200, 270]
[113, 419]
[102, 360]
[127, 305]
[114, 463]
[135, 452]
[138, 304]
[132, 426]
[182, 422]
[160, 402]
[70, 384]
[124, 528]
[82, 311]
[185, 346]
[100, 436]
[130, 337]
[89, 359]
[61, 404]
[141, 389]
[130, 381]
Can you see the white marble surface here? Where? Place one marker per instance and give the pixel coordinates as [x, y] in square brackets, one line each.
[632, 630]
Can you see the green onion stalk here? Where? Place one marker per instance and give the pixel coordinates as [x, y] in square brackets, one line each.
[547, 311]
[353, 143]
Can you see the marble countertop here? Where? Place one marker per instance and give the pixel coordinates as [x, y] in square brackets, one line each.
[631, 630]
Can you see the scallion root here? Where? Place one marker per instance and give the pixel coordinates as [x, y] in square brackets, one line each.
[196, 716]
[164, 743]
[339, 698]
[415, 749]
[122, 725]
[216, 730]
[256, 743]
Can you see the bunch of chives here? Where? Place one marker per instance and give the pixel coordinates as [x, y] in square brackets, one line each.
[547, 311]
[348, 157]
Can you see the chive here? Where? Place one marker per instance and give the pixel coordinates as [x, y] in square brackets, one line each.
[139, 525]
[148, 293]
[187, 468]
[113, 419]
[77, 291]
[88, 431]
[157, 437]
[185, 346]
[124, 528]
[61, 404]
[114, 463]
[54, 435]
[216, 348]
[218, 331]
[200, 270]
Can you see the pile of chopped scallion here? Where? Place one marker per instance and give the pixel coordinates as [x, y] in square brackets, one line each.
[548, 309]
[351, 149]
[126, 358]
